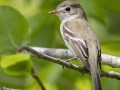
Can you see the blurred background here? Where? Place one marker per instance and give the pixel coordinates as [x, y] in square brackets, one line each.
[29, 23]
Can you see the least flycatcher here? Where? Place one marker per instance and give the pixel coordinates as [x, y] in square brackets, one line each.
[79, 37]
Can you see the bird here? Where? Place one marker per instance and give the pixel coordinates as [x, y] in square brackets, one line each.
[79, 37]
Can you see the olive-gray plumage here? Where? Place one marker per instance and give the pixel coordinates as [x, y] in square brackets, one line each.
[79, 37]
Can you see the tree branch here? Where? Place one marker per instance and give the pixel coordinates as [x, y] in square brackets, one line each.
[54, 55]
[37, 79]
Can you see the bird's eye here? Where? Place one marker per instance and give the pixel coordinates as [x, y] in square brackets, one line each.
[67, 9]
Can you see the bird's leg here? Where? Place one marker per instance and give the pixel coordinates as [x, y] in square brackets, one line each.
[68, 60]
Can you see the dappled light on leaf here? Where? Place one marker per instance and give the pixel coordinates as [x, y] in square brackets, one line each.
[9, 60]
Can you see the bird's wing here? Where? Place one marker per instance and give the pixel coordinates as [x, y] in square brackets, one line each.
[99, 54]
[78, 44]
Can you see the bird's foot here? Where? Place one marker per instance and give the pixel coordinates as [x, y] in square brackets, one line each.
[68, 61]
[85, 70]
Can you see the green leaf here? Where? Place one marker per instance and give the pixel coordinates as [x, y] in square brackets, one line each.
[93, 10]
[43, 33]
[111, 47]
[20, 68]
[14, 29]
[7, 61]
[84, 84]
[110, 5]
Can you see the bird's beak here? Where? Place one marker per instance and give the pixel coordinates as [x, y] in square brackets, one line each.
[54, 12]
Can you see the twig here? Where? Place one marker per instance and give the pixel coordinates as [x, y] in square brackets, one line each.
[37, 79]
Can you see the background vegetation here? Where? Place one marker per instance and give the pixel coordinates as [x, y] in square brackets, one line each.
[28, 22]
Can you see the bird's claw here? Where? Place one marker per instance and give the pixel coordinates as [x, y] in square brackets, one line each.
[85, 70]
[68, 62]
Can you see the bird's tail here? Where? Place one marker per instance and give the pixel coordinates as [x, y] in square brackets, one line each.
[96, 79]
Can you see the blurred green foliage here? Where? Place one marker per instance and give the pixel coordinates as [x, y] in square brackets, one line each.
[28, 22]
